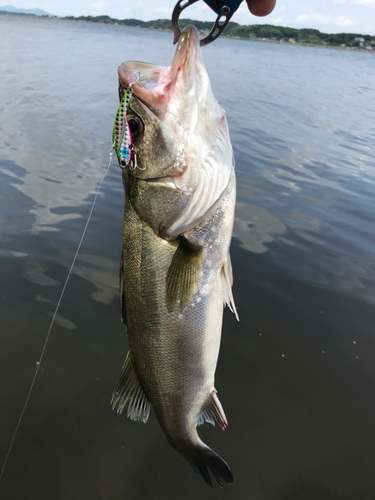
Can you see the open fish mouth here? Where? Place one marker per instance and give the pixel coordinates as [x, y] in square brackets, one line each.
[156, 86]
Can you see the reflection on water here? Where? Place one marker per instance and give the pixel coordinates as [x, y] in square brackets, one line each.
[255, 226]
[35, 272]
[100, 272]
[296, 374]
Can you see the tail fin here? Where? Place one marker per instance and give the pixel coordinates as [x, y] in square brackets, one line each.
[204, 460]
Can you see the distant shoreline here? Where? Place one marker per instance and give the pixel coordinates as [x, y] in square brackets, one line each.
[203, 31]
[321, 46]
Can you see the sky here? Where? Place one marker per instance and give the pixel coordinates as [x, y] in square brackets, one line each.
[330, 16]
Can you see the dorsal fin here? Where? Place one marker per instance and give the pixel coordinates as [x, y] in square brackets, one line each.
[129, 389]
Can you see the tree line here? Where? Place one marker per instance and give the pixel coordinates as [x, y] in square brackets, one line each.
[252, 31]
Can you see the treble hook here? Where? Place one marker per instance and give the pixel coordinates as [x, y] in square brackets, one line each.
[134, 164]
[223, 8]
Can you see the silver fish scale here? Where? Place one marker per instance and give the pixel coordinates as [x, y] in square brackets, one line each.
[175, 353]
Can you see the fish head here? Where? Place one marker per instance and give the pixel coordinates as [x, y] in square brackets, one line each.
[176, 123]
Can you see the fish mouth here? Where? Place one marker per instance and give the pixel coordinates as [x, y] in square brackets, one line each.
[155, 86]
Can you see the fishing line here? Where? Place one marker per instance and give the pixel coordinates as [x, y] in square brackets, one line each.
[54, 317]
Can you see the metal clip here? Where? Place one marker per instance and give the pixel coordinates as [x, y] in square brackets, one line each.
[223, 8]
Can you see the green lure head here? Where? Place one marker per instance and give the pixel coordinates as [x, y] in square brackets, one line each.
[121, 136]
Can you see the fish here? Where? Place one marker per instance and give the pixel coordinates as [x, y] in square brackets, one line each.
[175, 272]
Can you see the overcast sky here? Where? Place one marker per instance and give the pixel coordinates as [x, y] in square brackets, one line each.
[332, 16]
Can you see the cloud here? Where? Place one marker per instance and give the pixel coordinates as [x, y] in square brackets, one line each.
[312, 18]
[99, 5]
[366, 2]
[344, 22]
[302, 18]
[341, 21]
[163, 10]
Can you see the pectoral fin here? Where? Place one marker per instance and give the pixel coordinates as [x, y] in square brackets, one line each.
[183, 274]
[129, 389]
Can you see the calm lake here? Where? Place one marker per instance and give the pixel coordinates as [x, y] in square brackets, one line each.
[295, 376]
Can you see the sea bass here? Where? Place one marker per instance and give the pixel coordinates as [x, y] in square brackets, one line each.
[175, 270]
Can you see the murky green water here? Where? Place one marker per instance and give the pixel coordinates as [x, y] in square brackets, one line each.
[295, 376]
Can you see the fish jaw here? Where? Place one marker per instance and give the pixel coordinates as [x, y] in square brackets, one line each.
[171, 82]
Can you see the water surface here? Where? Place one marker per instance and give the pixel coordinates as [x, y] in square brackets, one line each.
[295, 376]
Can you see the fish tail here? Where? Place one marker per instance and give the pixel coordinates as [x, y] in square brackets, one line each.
[204, 460]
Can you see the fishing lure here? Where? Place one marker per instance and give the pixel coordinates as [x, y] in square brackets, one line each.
[122, 137]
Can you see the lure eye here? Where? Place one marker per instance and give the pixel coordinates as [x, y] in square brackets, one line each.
[135, 126]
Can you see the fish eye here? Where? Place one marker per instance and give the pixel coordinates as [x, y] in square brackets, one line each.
[136, 126]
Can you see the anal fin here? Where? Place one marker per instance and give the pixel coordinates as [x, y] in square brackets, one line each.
[227, 279]
[128, 389]
[213, 411]
[183, 274]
